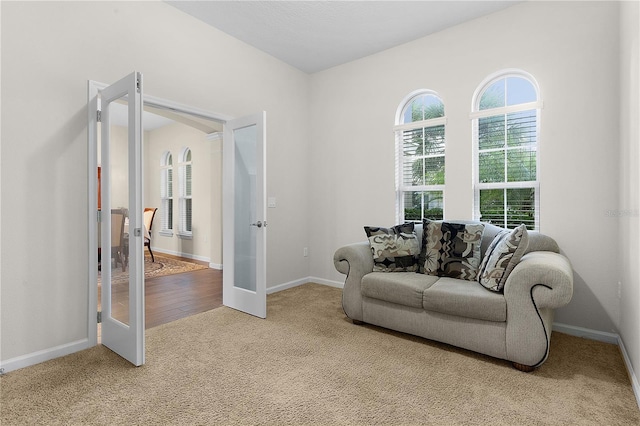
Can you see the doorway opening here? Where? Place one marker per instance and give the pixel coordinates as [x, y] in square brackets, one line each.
[183, 230]
[122, 186]
[186, 275]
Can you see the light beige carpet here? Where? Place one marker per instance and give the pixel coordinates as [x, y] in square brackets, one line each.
[307, 364]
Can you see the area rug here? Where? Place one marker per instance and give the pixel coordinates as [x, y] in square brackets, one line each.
[307, 364]
[163, 265]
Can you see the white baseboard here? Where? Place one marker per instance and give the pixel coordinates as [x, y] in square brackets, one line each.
[187, 255]
[600, 336]
[288, 285]
[632, 375]
[217, 266]
[301, 281]
[337, 284]
[43, 355]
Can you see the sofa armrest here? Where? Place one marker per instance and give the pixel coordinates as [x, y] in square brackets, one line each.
[355, 261]
[540, 283]
[544, 277]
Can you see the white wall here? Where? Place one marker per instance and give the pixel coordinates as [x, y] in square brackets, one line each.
[49, 51]
[570, 48]
[629, 226]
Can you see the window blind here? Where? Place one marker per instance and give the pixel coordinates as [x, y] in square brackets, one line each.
[166, 197]
[185, 194]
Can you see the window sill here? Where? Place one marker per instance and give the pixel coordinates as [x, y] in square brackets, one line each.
[166, 233]
[185, 236]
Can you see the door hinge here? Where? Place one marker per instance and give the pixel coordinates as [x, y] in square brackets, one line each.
[99, 216]
[138, 84]
[99, 317]
[99, 116]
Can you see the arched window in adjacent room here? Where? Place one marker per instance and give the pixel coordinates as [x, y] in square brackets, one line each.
[185, 193]
[166, 193]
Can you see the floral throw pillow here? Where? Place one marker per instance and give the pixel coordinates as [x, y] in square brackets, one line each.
[394, 249]
[503, 254]
[451, 249]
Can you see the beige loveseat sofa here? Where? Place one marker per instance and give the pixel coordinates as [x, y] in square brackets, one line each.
[514, 324]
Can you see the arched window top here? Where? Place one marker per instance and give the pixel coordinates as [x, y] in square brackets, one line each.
[419, 106]
[166, 159]
[506, 88]
[185, 156]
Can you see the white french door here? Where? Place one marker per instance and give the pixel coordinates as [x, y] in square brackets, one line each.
[245, 215]
[121, 225]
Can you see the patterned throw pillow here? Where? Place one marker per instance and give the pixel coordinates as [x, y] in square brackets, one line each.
[503, 254]
[451, 249]
[394, 249]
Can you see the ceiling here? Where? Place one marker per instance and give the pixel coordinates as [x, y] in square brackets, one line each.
[316, 35]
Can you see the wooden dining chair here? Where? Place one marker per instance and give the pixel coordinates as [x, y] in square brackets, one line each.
[149, 214]
[117, 237]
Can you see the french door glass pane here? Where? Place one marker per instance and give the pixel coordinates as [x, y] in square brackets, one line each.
[117, 260]
[245, 180]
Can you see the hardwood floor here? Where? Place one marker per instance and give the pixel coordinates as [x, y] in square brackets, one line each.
[172, 297]
[181, 295]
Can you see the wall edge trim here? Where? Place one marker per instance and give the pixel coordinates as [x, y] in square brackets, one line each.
[38, 357]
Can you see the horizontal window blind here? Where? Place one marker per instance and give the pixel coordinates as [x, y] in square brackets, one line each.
[185, 194]
[509, 207]
[166, 198]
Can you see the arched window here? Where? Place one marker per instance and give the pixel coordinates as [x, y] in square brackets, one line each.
[166, 193]
[505, 114]
[420, 157]
[185, 193]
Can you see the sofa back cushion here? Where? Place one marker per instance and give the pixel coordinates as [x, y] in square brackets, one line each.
[537, 241]
[451, 249]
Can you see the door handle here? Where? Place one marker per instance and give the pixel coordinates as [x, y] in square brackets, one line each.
[259, 224]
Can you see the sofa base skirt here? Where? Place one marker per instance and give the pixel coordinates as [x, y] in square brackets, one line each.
[485, 337]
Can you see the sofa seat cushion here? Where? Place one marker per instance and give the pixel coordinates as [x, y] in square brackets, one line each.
[465, 299]
[403, 288]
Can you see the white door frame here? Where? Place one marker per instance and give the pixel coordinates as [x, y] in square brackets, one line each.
[93, 92]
